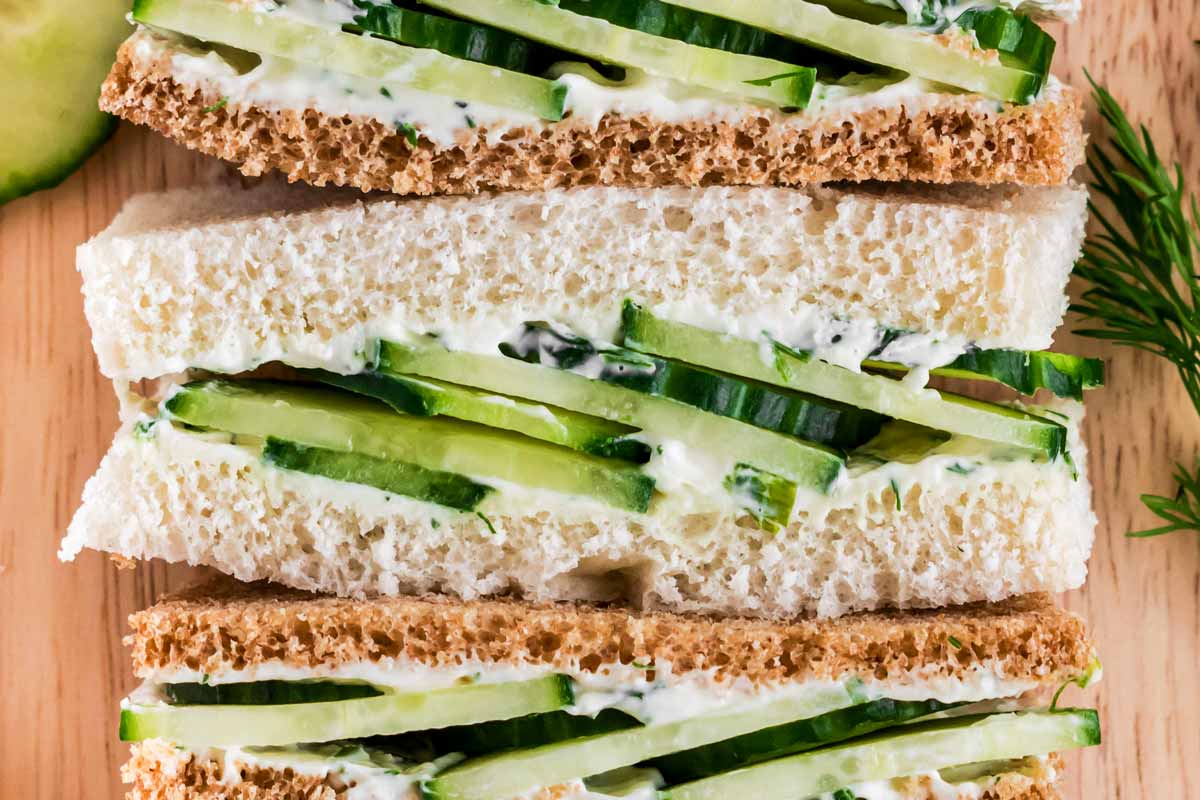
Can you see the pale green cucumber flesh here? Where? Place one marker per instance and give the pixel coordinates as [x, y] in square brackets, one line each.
[340, 421]
[930, 408]
[243, 27]
[749, 77]
[774, 741]
[809, 466]
[896, 753]
[428, 397]
[54, 56]
[813, 419]
[388, 714]
[509, 774]
[901, 47]
[1026, 371]
[397, 477]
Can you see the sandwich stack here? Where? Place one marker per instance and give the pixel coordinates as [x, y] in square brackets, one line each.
[641, 460]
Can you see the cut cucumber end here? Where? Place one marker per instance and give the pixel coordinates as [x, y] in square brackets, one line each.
[55, 56]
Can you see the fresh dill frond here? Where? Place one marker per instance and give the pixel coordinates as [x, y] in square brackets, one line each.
[1181, 512]
[1144, 289]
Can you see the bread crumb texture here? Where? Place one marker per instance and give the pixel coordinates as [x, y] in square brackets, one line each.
[955, 139]
[224, 625]
[224, 279]
[157, 771]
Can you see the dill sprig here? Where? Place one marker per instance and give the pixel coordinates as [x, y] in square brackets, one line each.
[1144, 288]
[1181, 512]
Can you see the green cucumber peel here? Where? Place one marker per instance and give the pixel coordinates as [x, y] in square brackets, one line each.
[598, 39]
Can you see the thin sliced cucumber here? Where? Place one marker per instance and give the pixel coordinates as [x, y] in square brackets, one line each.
[510, 774]
[496, 735]
[429, 397]
[693, 27]
[1023, 370]
[453, 37]
[749, 77]
[768, 498]
[832, 424]
[54, 56]
[899, 442]
[239, 25]
[809, 466]
[939, 410]
[793, 737]
[343, 422]
[907, 751]
[397, 477]
[1014, 35]
[902, 48]
[1017, 38]
[344, 719]
[264, 693]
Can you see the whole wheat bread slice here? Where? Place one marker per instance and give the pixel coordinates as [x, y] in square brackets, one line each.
[224, 625]
[945, 138]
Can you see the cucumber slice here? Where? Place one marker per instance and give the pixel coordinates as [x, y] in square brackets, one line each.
[342, 422]
[264, 693]
[793, 737]
[693, 27]
[808, 465]
[239, 25]
[900, 442]
[54, 56]
[453, 37]
[432, 486]
[493, 736]
[428, 397]
[832, 424]
[392, 713]
[1015, 36]
[921, 748]
[1023, 370]
[768, 498]
[749, 77]
[930, 408]
[510, 774]
[902, 48]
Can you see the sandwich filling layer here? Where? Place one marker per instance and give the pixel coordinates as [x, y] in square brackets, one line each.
[679, 452]
[444, 69]
[498, 698]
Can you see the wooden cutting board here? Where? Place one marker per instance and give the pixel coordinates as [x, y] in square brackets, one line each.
[63, 669]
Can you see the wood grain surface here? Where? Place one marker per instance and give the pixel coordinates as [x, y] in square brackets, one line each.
[63, 668]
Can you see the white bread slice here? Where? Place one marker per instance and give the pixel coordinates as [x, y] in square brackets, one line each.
[997, 532]
[226, 280]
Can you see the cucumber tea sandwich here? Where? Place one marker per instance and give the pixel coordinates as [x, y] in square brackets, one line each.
[256, 692]
[457, 96]
[707, 399]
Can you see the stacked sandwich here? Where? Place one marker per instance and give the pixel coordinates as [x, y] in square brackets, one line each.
[638, 478]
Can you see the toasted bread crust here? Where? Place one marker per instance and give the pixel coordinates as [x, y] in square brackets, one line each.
[952, 140]
[157, 771]
[225, 625]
